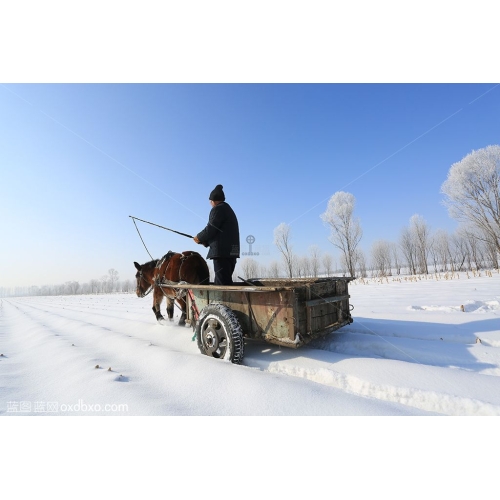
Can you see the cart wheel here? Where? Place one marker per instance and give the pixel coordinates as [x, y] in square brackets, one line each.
[219, 333]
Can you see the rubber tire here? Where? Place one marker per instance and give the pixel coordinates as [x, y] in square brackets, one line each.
[217, 323]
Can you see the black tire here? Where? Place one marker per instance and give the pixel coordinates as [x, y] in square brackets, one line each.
[219, 333]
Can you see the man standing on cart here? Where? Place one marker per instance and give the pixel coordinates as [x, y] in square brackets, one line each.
[222, 235]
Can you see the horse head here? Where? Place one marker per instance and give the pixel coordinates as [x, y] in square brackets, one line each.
[144, 278]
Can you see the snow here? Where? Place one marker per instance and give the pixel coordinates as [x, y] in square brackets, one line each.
[420, 347]
[426, 345]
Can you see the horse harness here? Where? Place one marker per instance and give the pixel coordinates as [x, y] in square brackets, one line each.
[161, 280]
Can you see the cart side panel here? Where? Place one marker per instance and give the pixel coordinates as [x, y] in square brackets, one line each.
[272, 315]
[267, 315]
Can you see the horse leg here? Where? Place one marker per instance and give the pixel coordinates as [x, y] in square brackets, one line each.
[170, 308]
[183, 304]
[157, 300]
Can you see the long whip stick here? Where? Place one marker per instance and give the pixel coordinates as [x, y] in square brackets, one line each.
[162, 227]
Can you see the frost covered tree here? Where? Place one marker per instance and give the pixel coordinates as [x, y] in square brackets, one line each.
[305, 265]
[72, 287]
[476, 246]
[491, 250]
[104, 284]
[250, 268]
[421, 234]
[127, 286]
[396, 258]
[282, 237]
[440, 250]
[415, 242]
[381, 257]
[315, 255]
[113, 278]
[327, 261]
[460, 251]
[94, 286]
[409, 249]
[345, 228]
[472, 192]
[274, 269]
[360, 263]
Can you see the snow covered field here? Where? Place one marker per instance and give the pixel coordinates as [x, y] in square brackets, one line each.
[412, 350]
[426, 346]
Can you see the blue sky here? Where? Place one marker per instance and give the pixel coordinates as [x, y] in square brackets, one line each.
[77, 159]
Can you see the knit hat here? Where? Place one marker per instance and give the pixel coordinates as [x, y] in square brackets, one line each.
[217, 194]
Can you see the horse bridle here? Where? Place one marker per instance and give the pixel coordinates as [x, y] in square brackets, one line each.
[148, 291]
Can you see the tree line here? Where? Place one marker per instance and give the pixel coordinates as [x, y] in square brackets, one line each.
[108, 283]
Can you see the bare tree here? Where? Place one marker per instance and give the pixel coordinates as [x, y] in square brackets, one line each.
[306, 265]
[249, 268]
[472, 192]
[360, 263]
[381, 257]
[434, 254]
[440, 250]
[301, 267]
[113, 278]
[263, 272]
[460, 251]
[72, 287]
[314, 259]
[396, 258]
[475, 244]
[409, 249]
[327, 262]
[127, 286]
[282, 236]
[104, 284]
[421, 234]
[491, 251]
[345, 229]
[297, 267]
[94, 286]
[274, 269]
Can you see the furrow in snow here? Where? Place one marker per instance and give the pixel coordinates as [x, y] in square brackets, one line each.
[431, 401]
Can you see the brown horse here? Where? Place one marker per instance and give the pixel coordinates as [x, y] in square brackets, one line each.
[189, 267]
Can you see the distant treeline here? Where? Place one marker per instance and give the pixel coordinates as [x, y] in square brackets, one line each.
[108, 283]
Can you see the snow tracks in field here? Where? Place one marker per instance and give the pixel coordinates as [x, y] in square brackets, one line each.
[109, 352]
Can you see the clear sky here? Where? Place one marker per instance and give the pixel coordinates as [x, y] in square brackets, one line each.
[259, 97]
[77, 160]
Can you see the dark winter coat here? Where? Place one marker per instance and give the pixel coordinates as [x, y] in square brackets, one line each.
[222, 233]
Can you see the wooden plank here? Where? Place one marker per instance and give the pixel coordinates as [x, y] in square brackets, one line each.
[273, 314]
[326, 300]
[308, 310]
[227, 288]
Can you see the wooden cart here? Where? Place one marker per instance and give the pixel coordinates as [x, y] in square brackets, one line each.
[286, 312]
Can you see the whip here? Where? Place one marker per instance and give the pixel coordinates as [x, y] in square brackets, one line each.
[162, 227]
